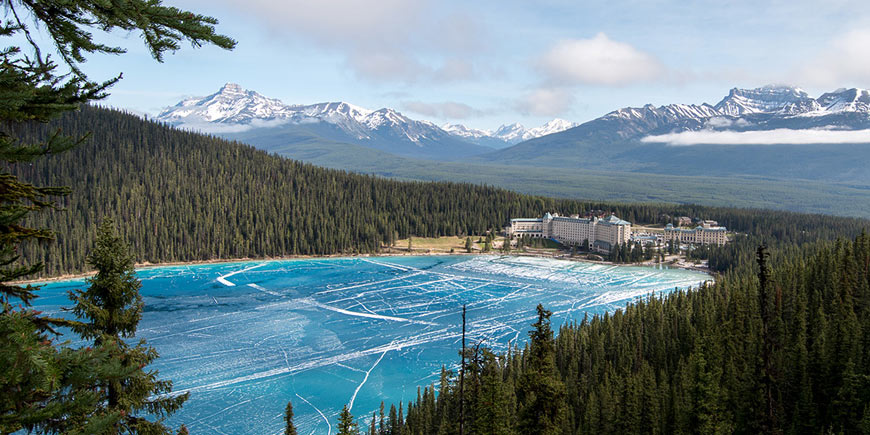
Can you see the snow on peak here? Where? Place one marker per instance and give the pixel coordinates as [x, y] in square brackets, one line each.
[846, 100]
[231, 88]
[766, 99]
[466, 132]
[555, 126]
[670, 112]
[776, 100]
[230, 105]
[516, 132]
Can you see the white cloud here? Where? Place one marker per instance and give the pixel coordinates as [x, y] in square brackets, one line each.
[218, 128]
[722, 122]
[338, 22]
[444, 110]
[383, 40]
[545, 102]
[598, 61]
[781, 136]
[454, 70]
[844, 61]
[386, 66]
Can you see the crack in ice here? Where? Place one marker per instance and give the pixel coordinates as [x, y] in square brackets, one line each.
[358, 387]
[223, 278]
[368, 315]
[328, 426]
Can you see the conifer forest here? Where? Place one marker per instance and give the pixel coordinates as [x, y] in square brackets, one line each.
[777, 341]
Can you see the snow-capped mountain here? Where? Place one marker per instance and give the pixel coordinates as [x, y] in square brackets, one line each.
[810, 136]
[768, 99]
[516, 132]
[233, 108]
[509, 133]
[465, 132]
[554, 126]
[846, 100]
[242, 114]
[762, 108]
[230, 105]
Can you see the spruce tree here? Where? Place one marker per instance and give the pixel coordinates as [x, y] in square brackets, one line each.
[346, 425]
[541, 391]
[47, 386]
[110, 309]
[393, 422]
[289, 427]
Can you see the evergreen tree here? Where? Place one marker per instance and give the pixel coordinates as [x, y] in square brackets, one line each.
[111, 308]
[696, 361]
[468, 244]
[382, 425]
[492, 413]
[393, 422]
[47, 386]
[346, 424]
[541, 392]
[289, 427]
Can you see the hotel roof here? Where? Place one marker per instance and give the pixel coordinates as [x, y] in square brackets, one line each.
[613, 220]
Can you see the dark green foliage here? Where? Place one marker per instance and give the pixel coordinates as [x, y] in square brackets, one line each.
[111, 308]
[540, 393]
[615, 185]
[782, 349]
[289, 427]
[48, 387]
[112, 304]
[184, 196]
[346, 424]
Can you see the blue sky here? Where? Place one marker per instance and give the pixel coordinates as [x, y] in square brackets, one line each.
[486, 63]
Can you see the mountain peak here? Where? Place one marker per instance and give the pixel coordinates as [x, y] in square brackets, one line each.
[516, 132]
[766, 99]
[231, 88]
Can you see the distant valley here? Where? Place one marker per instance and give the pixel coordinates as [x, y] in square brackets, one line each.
[807, 156]
[246, 115]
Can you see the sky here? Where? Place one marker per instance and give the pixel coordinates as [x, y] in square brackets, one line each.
[486, 63]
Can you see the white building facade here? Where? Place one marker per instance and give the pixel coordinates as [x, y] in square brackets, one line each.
[599, 234]
[705, 234]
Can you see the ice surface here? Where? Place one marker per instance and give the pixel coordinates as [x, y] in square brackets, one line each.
[245, 338]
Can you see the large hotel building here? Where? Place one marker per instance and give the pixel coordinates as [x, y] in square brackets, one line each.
[600, 234]
[708, 233]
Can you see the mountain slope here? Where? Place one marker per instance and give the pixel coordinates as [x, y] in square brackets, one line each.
[181, 196]
[234, 112]
[636, 139]
[508, 134]
[239, 114]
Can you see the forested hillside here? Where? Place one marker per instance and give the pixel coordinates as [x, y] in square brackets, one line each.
[180, 196]
[782, 352]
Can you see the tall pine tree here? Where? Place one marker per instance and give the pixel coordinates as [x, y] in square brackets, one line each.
[111, 308]
[289, 427]
[48, 386]
[541, 392]
[346, 424]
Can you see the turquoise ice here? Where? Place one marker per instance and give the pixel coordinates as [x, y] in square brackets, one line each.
[244, 338]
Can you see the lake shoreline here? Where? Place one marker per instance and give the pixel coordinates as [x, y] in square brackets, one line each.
[149, 265]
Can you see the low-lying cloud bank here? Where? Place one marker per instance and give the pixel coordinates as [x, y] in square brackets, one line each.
[219, 128]
[780, 136]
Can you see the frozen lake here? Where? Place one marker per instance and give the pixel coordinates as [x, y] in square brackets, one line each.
[244, 338]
